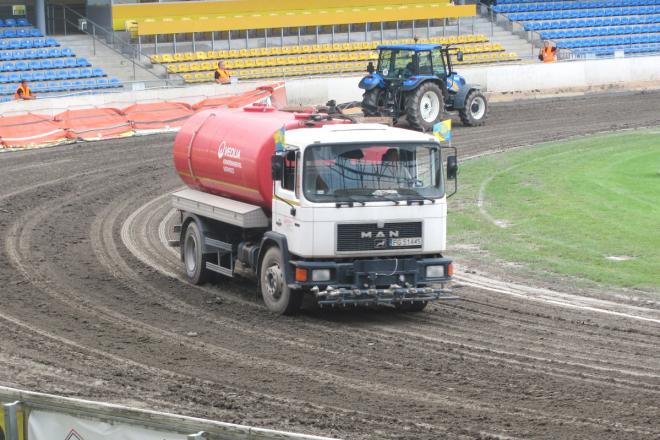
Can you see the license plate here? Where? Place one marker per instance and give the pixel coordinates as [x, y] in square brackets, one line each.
[405, 242]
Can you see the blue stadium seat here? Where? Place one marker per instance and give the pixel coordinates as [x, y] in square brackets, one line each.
[39, 42]
[22, 22]
[73, 73]
[102, 83]
[46, 64]
[10, 22]
[61, 74]
[50, 75]
[66, 85]
[85, 73]
[8, 66]
[66, 52]
[54, 86]
[34, 64]
[90, 84]
[22, 65]
[58, 64]
[41, 53]
[38, 76]
[10, 33]
[35, 33]
[4, 78]
[51, 42]
[54, 53]
[14, 78]
[82, 62]
[39, 87]
[70, 62]
[76, 85]
[5, 56]
[97, 71]
[114, 82]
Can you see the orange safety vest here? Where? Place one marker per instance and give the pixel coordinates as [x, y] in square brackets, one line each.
[223, 75]
[549, 55]
[26, 92]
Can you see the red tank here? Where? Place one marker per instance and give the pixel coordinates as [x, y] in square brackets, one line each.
[228, 152]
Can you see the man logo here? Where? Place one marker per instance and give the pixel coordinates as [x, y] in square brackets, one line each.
[379, 234]
[73, 435]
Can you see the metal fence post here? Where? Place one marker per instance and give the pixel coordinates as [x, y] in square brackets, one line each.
[94, 40]
[11, 420]
[349, 32]
[317, 34]
[492, 23]
[64, 19]
[428, 28]
[412, 32]
[396, 34]
[194, 46]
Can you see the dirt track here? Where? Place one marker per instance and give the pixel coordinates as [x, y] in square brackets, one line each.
[83, 315]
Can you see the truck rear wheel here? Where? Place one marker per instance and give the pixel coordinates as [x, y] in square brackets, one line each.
[372, 100]
[425, 106]
[416, 306]
[476, 109]
[193, 256]
[278, 297]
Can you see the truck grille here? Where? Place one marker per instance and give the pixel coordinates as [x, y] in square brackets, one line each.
[369, 237]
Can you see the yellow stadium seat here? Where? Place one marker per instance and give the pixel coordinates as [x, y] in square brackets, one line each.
[155, 59]
[201, 77]
[172, 68]
[292, 59]
[189, 56]
[206, 66]
[260, 62]
[275, 51]
[337, 47]
[305, 49]
[167, 58]
[264, 51]
[233, 53]
[195, 67]
[312, 58]
[183, 67]
[243, 53]
[333, 57]
[326, 47]
[353, 56]
[222, 54]
[188, 77]
[254, 52]
[178, 57]
[249, 63]
[286, 50]
[343, 56]
[316, 48]
[229, 64]
[212, 55]
[201, 56]
[323, 58]
[302, 59]
[276, 71]
[239, 64]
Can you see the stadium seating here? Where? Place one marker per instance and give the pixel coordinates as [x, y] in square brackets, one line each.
[313, 59]
[590, 27]
[25, 54]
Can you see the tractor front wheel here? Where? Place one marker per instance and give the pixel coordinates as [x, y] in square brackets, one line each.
[425, 106]
[476, 109]
[372, 101]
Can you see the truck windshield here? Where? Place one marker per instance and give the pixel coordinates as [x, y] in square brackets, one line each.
[365, 173]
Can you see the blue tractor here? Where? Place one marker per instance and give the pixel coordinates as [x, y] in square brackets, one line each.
[417, 81]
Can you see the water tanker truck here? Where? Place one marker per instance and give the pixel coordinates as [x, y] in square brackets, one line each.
[346, 213]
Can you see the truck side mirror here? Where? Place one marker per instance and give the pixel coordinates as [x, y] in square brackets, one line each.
[459, 56]
[452, 167]
[277, 166]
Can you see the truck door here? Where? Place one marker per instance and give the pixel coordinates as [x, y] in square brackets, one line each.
[286, 202]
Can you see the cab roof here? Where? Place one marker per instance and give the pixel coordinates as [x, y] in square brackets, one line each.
[354, 133]
[415, 47]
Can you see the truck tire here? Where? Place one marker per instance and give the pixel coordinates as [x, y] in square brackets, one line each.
[476, 109]
[416, 306]
[193, 258]
[425, 106]
[372, 100]
[278, 297]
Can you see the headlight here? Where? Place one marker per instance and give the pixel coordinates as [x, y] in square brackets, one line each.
[435, 271]
[321, 275]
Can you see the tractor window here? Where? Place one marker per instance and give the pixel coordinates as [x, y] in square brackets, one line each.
[425, 63]
[396, 63]
[438, 63]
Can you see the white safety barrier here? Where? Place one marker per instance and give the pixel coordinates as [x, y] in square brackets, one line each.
[501, 78]
[37, 416]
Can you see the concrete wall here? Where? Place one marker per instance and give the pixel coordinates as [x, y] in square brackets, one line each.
[190, 95]
[569, 75]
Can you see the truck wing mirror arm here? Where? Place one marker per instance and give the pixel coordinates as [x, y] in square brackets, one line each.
[277, 167]
[452, 170]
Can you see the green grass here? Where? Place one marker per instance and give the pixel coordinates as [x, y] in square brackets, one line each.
[566, 207]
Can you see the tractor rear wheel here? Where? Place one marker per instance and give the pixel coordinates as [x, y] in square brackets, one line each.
[476, 109]
[425, 106]
[372, 101]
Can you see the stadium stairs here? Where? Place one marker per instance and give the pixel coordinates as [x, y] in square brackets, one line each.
[109, 60]
[511, 42]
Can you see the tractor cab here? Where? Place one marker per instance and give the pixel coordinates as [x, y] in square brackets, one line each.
[418, 81]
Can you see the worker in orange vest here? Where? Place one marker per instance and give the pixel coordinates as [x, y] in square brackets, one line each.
[548, 53]
[222, 75]
[24, 92]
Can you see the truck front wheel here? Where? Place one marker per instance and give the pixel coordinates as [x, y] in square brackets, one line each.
[193, 256]
[278, 297]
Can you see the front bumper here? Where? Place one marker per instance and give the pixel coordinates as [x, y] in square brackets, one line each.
[376, 281]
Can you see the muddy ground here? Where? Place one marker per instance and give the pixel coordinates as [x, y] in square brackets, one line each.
[92, 306]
